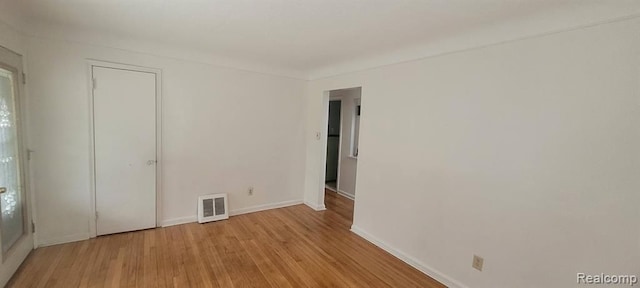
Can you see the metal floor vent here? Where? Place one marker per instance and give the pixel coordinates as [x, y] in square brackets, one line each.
[212, 208]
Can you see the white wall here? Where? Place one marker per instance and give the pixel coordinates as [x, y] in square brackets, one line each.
[11, 39]
[348, 164]
[525, 153]
[10, 36]
[223, 131]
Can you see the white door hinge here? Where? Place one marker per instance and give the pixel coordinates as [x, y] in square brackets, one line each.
[33, 227]
[96, 215]
[94, 83]
[24, 78]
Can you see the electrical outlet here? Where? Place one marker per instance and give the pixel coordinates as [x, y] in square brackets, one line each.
[250, 191]
[477, 262]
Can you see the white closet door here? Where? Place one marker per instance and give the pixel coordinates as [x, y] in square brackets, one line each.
[124, 107]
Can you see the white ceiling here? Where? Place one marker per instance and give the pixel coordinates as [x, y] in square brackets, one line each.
[308, 36]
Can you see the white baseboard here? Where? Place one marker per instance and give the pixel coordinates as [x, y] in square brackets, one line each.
[330, 188]
[179, 220]
[64, 239]
[251, 209]
[345, 194]
[415, 263]
[342, 193]
[316, 207]
[264, 207]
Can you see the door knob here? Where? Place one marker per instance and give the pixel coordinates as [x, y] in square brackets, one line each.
[151, 162]
[3, 189]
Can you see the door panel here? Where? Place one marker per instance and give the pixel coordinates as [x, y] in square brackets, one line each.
[16, 241]
[12, 225]
[124, 104]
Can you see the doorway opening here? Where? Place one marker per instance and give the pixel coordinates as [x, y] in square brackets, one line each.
[342, 136]
[333, 145]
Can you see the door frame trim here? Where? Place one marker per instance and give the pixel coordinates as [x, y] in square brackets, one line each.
[159, 163]
[324, 115]
[16, 255]
[22, 168]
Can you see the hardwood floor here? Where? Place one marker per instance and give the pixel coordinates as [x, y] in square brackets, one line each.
[339, 204]
[287, 247]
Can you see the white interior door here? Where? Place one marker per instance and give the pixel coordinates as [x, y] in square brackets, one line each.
[124, 107]
[16, 239]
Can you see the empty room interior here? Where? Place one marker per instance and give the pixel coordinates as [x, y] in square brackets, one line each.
[334, 143]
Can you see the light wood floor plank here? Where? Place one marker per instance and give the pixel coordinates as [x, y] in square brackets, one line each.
[287, 247]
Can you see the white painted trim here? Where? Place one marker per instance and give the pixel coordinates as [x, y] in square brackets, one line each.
[173, 53]
[333, 71]
[92, 167]
[159, 163]
[352, 128]
[258, 208]
[175, 221]
[179, 221]
[316, 207]
[347, 195]
[413, 262]
[11, 260]
[342, 193]
[247, 210]
[326, 97]
[339, 142]
[19, 252]
[327, 187]
[63, 239]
